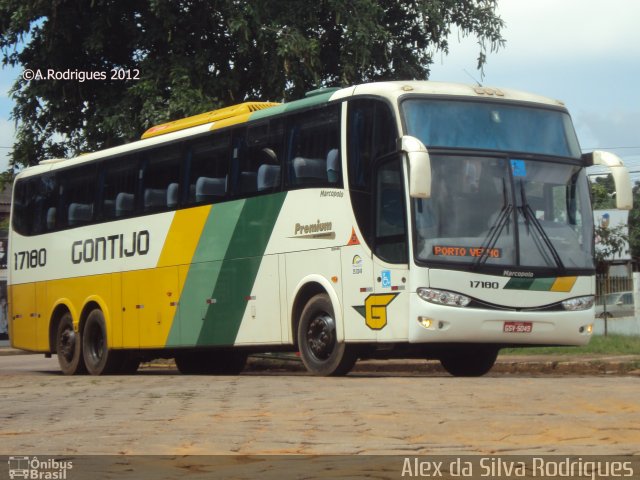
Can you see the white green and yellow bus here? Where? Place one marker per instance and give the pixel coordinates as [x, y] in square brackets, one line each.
[390, 219]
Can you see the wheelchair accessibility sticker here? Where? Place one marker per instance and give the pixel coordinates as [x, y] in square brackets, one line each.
[386, 278]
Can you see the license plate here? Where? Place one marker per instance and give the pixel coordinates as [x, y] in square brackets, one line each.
[517, 327]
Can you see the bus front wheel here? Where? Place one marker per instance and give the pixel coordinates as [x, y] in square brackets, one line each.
[97, 356]
[69, 347]
[471, 361]
[320, 350]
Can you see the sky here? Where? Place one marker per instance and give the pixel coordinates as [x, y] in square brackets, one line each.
[583, 52]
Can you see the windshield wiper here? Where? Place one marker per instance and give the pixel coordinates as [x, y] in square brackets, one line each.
[496, 229]
[530, 218]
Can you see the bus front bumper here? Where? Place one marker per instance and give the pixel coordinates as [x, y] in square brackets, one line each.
[431, 323]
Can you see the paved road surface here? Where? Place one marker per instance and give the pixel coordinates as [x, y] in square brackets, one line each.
[161, 412]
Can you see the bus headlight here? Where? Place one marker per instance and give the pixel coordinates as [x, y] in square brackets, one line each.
[578, 303]
[443, 297]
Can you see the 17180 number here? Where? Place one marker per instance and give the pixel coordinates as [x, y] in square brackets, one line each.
[29, 259]
[478, 284]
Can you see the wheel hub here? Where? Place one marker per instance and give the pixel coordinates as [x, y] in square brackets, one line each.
[321, 336]
[67, 343]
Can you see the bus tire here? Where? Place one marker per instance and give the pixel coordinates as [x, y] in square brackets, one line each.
[472, 361]
[320, 350]
[223, 362]
[69, 347]
[98, 359]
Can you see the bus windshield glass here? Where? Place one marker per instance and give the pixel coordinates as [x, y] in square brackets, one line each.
[490, 126]
[502, 211]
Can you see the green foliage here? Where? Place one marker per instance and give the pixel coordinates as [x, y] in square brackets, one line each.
[603, 193]
[197, 55]
[611, 242]
[609, 345]
[634, 223]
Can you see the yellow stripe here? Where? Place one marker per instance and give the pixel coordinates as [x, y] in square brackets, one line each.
[227, 122]
[243, 110]
[563, 284]
[178, 251]
[183, 236]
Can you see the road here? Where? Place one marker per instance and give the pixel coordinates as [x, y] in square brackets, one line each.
[159, 411]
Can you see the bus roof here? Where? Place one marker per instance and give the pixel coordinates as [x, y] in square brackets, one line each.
[251, 111]
[207, 117]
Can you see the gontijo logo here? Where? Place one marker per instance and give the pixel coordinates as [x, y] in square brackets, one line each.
[32, 468]
[374, 309]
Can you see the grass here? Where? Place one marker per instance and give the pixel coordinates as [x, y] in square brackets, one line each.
[609, 345]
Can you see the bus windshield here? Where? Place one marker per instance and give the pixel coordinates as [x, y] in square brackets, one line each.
[490, 126]
[503, 211]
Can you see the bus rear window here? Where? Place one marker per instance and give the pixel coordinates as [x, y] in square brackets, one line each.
[35, 205]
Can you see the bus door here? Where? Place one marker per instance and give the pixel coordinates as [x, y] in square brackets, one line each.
[388, 307]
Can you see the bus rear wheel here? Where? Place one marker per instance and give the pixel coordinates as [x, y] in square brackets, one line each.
[98, 359]
[69, 347]
[320, 350]
[471, 361]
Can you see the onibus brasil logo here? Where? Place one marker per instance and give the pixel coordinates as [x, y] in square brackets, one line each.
[32, 468]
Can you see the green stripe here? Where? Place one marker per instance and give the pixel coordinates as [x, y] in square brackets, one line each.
[534, 284]
[224, 270]
[542, 284]
[519, 283]
[316, 99]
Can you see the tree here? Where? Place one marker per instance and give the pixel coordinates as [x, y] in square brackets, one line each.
[611, 241]
[634, 223]
[603, 198]
[192, 56]
[603, 192]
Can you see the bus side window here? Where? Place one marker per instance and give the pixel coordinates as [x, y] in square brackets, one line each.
[21, 207]
[208, 169]
[119, 187]
[257, 158]
[314, 142]
[46, 216]
[161, 178]
[78, 191]
[36, 205]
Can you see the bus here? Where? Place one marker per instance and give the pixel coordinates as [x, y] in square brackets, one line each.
[397, 219]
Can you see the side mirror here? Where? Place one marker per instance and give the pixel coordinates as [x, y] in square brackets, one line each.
[419, 166]
[620, 174]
